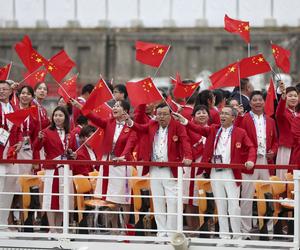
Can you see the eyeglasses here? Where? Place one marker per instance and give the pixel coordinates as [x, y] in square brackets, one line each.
[162, 114]
[4, 89]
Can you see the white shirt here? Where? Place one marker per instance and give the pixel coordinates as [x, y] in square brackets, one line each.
[260, 127]
[223, 146]
[160, 145]
[62, 134]
[6, 109]
[118, 130]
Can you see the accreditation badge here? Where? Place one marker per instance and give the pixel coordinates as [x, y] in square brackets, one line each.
[4, 135]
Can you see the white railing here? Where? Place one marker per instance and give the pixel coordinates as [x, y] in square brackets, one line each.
[108, 234]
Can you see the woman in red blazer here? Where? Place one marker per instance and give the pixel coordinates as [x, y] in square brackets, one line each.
[117, 135]
[55, 141]
[295, 159]
[285, 114]
[200, 116]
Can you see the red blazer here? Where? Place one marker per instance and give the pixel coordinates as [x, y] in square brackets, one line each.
[242, 149]
[197, 145]
[295, 130]
[15, 133]
[284, 118]
[271, 134]
[82, 154]
[178, 142]
[109, 126]
[52, 145]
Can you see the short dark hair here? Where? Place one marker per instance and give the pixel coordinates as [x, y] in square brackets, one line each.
[200, 107]
[81, 120]
[5, 82]
[86, 131]
[66, 121]
[88, 88]
[244, 82]
[122, 89]
[290, 89]
[256, 92]
[29, 88]
[125, 105]
[203, 97]
[219, 96]
[162, 105]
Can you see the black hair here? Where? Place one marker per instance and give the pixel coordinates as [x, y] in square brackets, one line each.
[244, 82]
[162, 105]
[88, 88]
[122, 89]
[203, 97]
[6, 82]
[256, 92]
[66, 121]
[36, 86]
[290, 89]
[125, 105]
[200, 107]
[29, 88]
[219, 96]
[82, 120]
[86, 131]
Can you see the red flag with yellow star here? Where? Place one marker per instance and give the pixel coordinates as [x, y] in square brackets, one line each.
[34, 78]
[18, 117]
[253, 65]
[183, 90]
[60, 65]
[150, 53]
[104, 110]
[271, 97]
[282, 58]
[4, 72]
[68, 89]
[142, 92]
[28, 55]
[226, 77]
[100, 94]
[241, 28]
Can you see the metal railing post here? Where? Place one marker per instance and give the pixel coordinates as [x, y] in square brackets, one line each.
[297, 209]
[179, 200]
[66, 200]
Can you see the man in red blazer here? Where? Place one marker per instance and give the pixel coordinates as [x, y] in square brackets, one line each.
[226, 144]
[262, 132]
[10, 144]
[168, 142]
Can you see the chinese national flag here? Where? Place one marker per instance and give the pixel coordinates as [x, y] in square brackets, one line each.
[226, 77]
[60, 65]
[28, 55]
[253, 65]
[100, 94]
[95, 142]
[4, 72]
[18, 117]
[104, 111]
[241, 28]
[271, 97]
[183, 90]
[282, 58]
[150, 53]
[142, 92]
[33, 78]
[68, 89]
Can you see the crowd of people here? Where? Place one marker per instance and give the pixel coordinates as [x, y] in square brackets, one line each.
[211, 126]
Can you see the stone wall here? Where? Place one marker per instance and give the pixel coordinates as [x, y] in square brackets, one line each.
[111, 52]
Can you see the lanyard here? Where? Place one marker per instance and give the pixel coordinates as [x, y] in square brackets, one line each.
[5, 111]
[218, 135]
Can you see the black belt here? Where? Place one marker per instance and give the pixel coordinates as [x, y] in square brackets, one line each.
[219, 169]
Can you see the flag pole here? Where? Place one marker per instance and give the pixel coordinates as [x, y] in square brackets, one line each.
[249, 49]
[30, 74]
[86, 141]
[274, 88]
[63, 87]
[239, 77]
[8, 75]
[161, 62]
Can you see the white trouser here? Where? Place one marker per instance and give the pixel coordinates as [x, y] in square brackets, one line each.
[248, 189]
[166, 188]
[7, 184]
[283, 158]
[226, 189]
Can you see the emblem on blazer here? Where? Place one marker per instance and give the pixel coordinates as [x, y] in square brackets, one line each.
[238, 145]
[175, 138]
[126, 130]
